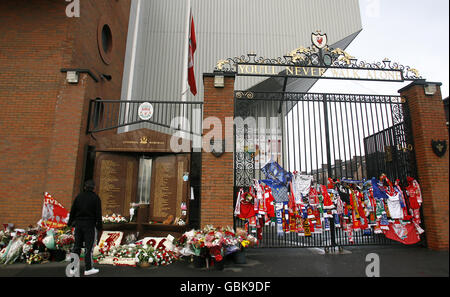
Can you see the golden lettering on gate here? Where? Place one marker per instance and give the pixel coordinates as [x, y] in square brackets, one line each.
[257, 69]
[308, 71]
[383, 75]
[334, 72]
[322, 71]
[289, 71]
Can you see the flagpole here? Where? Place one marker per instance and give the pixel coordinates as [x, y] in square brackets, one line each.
[133, 61]
[184, 83]
[184, 86]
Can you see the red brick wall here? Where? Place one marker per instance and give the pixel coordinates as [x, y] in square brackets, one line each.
[217, 173]
[428, 122]
[42, 118]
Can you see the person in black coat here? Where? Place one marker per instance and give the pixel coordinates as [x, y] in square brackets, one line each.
[86, 217]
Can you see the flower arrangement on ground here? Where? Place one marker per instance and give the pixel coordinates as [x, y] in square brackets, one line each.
[145, 254]
[164, 257]
[65, 239]
[245, 240]
[214, 242]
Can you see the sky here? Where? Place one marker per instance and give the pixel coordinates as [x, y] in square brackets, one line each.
[413, 33]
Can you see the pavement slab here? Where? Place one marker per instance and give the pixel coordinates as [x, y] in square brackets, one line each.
[394, 261]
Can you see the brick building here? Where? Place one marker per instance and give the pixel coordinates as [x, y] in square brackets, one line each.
[43, 115]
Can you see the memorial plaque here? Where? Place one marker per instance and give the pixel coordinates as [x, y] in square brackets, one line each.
[169, 189]
[116, 179]
[142, 140]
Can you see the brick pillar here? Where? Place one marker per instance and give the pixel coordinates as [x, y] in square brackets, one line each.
[217, 181]
[429, 123]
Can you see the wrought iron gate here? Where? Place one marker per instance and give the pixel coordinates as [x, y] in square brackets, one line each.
[323, 135]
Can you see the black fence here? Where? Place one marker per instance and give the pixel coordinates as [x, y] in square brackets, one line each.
[324, 135]
[343, 136]
[166, 116]
[270, 238]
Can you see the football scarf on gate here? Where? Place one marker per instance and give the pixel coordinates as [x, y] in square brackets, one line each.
[279, 216]
[275, 172]
[279, 190]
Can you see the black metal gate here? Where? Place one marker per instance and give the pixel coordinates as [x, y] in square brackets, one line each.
[323, 135]
[343, 136]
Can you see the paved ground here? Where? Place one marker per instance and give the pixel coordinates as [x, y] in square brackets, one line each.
[395, 261]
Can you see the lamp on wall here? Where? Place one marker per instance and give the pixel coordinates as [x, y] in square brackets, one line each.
[72, 77]
[219, 81]
[430, 89]
[72, 74]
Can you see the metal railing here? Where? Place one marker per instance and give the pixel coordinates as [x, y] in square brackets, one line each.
[271, 239]
[167, 116]
[324, 135]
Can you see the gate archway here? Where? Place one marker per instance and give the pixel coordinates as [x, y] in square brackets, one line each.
[350, 137]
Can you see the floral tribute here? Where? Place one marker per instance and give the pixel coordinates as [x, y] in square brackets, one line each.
[214, 242]
[137, 253]
[36, 245]
[33, 245]
[114, 219]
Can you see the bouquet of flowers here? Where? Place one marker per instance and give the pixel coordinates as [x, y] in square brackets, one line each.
[64, 239]
[213, 236]
[124, 251]
[163, 257]
[34, 258]
[114, 219]
[28, 249]
[145, 254]
[183, 245]
[13, 250]
[245, 240]
[197, 242]
[230, 242]
[5, 238]
[214, 242]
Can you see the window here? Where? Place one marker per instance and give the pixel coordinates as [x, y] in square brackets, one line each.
[105, 40]
[144, 180]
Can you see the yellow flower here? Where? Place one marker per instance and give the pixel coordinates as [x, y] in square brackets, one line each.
[245, 243]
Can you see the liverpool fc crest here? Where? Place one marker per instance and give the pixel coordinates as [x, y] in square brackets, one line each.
[319, 40]
[439, 147]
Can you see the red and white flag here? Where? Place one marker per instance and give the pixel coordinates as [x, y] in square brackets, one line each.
[54, 215]
[192, 47]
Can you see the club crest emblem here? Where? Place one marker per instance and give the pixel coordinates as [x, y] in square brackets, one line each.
[319, 40]
[439, 147]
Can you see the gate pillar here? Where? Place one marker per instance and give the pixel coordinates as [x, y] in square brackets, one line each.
[428, 122]
[217, 182]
